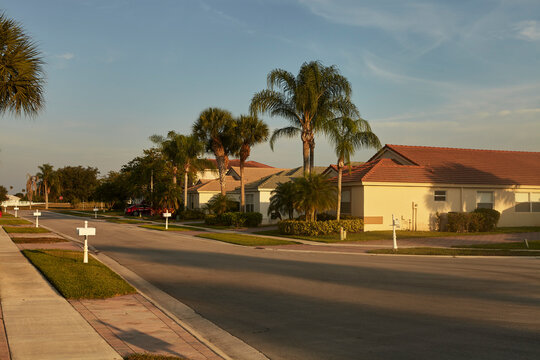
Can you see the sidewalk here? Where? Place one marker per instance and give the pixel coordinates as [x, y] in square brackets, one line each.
[41, 324]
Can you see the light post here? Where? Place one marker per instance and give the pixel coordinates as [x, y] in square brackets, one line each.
[37, 214]
[86, 231]
[167, 215]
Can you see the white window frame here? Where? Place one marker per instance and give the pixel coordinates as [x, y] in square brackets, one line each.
[439, 197]
[492, 198]
[534, 206]
[250, 205]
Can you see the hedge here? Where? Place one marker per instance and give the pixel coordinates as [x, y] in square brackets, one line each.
[293, 227]
[477, 221]
[236, 219]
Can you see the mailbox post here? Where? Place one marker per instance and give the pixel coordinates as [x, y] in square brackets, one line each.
[167, 215]
[86, 231]
[16, 209]
[37, 214]
[95, 212]
[395, 223]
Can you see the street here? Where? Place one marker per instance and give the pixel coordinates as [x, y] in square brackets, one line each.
[293, 305]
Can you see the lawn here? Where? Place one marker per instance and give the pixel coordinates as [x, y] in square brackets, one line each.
[204, 225]
[150, 357]
[533, 245]
[245, 240]
[66, 271]
[171, 228]
[455, 252]
[125, 221]
[24, 230]
[400, 234]
[14, 221]
[37, 240]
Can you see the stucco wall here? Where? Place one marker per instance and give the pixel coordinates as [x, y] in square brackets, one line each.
[384, 200]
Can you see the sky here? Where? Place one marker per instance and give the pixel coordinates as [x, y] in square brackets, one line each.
[437, 73]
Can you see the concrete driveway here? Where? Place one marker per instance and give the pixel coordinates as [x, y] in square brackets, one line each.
[338, 306]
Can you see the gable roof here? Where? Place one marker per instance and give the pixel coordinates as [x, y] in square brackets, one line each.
[213, 185]
[424, 164]
[247, 164]
[271, 181]
[252, 173]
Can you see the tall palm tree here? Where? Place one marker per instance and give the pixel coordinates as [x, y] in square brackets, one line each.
[214, 128]
[317, 94]
[283, 199]
[315, 193]
[348, 135]
[21, 71]
[48, 179]
[249, 131]
[171, 150]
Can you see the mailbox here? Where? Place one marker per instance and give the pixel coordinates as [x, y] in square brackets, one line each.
[86, 231]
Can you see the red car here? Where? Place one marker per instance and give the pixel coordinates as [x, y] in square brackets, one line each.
[141, 209]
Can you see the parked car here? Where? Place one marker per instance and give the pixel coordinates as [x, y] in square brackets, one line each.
[140, 209]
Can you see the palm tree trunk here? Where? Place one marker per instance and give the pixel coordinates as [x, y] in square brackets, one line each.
[306, 158]
[185, 189]
[339, 176]
[311, 155]
[175, 170]
[220, 159]
[242, 191]
[46, 195]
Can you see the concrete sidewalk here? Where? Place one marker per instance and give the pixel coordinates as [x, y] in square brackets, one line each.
[41, 324]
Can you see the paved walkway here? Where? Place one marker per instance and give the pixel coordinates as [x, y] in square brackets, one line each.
[40, 324]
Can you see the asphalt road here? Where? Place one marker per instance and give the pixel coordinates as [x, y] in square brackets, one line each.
[293, 305]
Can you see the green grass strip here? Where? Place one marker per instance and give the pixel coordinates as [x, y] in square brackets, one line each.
[245, 240]
[66, 271]
[171, 228]
[37, 240]
[533, 245]
[126, 221]
[24, 230]
[454, 252]
[13, 221]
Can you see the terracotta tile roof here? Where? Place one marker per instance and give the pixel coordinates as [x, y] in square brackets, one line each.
[252, 173]
[271, 181]
[450, 166]
[248, 164]
[214, 186]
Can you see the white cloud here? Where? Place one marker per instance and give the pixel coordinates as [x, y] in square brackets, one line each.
[528, 30]
[66, 56]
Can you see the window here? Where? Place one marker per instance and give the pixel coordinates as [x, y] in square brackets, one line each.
[440, 195]
[484, 199]
[527, 202]
[250, 206]
[346, 201]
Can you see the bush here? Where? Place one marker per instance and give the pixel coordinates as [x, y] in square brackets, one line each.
[292, 227]
[236, 219]
[477, 221]
[190, 214]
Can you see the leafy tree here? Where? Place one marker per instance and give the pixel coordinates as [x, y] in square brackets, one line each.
[220, 204]
[249, 131]
[113, 189]
[169, 196]
[77, 183]
[48, 179]
[214, 128]
[317, 94]
[183, 152]
[21, 71]
[315, 193]
[348, 135]
[3, 193]
[143, 172]
[283, 199]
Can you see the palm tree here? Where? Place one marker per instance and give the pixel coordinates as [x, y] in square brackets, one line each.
[21, 71]
[348, 135]
[315, 193]
[48, 178]
[214, 128]
[249, 131]
[283, 199]
[317, 94]
[170, 149]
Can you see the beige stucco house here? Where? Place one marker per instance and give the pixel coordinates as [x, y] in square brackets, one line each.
[415, 182]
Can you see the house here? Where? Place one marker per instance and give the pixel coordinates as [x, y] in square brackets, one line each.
[414, 183]
[205, 189]
[258, 192]
[208, 174]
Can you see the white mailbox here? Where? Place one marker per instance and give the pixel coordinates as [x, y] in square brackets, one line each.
[167, 215]
[95, 212]
[16, 209]
[37, 214]
[86, 231]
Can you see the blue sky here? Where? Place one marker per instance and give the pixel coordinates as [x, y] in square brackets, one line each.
[439, 73]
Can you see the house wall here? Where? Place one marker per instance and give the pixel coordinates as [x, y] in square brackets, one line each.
[380, 201]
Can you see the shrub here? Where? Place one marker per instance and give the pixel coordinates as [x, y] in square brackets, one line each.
[478, 220]
[292, 227]
[191, 214]
[211, 219]
[489, 218]
[253, 219]
[236, 219]
[232, 219]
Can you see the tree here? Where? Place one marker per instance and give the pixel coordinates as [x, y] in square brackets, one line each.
[249, 131]
[283, 199]
[3, 193]
[220, 204]
[77, 183]
[21, 71]
[48, 178]
[315, 193]
[143, 172]
[184, 152]
[348, 135]
[31, 187]
[317, 94]
[113, 189]
[214, 128]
